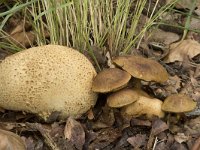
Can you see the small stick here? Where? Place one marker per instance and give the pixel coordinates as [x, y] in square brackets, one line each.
[155, 143]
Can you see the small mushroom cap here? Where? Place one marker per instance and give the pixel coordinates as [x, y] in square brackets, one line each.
[111, 79]
[144, 106]
[125, 97]
[122, 97]
[178, 103]
[142, 68]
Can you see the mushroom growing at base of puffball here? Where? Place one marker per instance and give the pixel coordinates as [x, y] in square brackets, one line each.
[109, 80]
[122, 98]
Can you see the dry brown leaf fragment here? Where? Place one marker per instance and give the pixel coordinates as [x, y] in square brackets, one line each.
[164, 37]
[106, 119]
[194, 24]
[139, 122]
[182, 4]
[196, 145]
[138, 140]
[75, 133]
[104, 138]
[183, 49]
[90, 114]
[158, 126]
[11, 141]
[192, 126]
[25, 39]
[181, 137]
[173, 85]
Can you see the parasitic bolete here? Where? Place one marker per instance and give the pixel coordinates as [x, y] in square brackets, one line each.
[122, 98]
[178, 103]
[142, 68]
[47, 79]
[110, 80]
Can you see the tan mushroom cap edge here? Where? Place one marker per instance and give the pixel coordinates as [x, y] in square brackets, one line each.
[125, 97]
[122, 98]
[142, 68]
[111, 79]
[178, 103]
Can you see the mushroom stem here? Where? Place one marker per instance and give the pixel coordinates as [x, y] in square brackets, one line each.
[178, 116]
[138, 84]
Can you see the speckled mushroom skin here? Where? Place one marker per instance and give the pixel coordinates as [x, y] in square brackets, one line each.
[142, 68]
[46, 79]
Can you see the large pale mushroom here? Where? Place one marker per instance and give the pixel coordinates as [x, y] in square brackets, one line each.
[142, 68]
[109, 80]
[47, 79]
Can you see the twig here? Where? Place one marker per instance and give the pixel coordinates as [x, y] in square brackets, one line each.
[155, 143]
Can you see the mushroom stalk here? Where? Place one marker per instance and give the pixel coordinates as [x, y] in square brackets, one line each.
[138, 84]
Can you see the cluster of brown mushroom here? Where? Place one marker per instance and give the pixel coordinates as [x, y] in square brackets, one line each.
[134, 101]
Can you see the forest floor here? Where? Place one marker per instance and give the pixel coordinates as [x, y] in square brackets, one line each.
[106, 130]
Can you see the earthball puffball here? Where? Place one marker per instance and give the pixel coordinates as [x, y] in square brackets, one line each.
[47, 79]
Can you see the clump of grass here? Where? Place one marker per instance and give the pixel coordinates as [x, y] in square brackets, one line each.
[81, 24]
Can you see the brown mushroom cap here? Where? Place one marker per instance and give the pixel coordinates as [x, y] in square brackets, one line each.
[125, 97]
[144, 106]
[46, 79]
[122, 97]
[142, 68]
[178, 103]
[111, 79]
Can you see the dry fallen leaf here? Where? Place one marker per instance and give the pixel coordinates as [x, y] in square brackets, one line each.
[75, 133]
[194, 24]
[196, 145]
[173, 85]
[178, 146]
[139, 122]
[109, 60]
[197, 10]
[138, 140]
[104, 138]
[106, 119]
[23, 38]
[158, 126]
[192, 126]
[181, 137]
[164, 37]
[184, 49]
[183, 4]
[10, 141]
